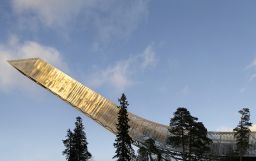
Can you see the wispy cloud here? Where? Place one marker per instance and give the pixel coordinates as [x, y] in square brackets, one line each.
[122, 74]
[14, 49]
[107, 20]
[117, 19]
[251, 75]
[148, 57]
[252, 64]
[117, 76]
[252, 67]
[52, 13]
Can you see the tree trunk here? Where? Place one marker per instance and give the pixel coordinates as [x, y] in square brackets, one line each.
[183, 146]
[189, 150]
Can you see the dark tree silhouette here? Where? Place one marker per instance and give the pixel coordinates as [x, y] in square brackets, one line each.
[142, 154]
[123, 141]
[68, 143]
[199, 142]
[242, 132]
[76, 144]
[189, 135]
[180, 124]
[150, 149]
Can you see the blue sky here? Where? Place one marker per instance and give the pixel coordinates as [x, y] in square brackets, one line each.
[162, 54]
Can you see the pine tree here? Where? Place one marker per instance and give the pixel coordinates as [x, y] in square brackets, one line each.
[149, 152]
[143, 154]
[189, 135]
[152, 149]
[123, 141]
[179, 127]
[242, 132]
[68, 143]
[76, 144]
[199, 142]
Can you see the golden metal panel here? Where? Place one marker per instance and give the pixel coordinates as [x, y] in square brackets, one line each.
[86, 100]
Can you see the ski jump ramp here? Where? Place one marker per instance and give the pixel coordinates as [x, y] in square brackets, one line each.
[105, 112]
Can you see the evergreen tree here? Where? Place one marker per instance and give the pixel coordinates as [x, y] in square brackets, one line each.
[180, 124]
[189, 135]
[149, 152]
[142, 154]
[152, 149]
[123, 141]
[68, 143]
[76, 144]
[199, 142]
[242, 132]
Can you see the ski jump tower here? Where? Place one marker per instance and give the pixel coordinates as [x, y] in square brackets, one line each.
[104, 112]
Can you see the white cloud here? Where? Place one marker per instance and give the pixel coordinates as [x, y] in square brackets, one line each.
[49, 12]
[121, 74]
[251, 67]
[14, 49]
[107, 20]
[252, 77]
[252, 64]
[117, 76]
[120, 18]
[148, 57]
